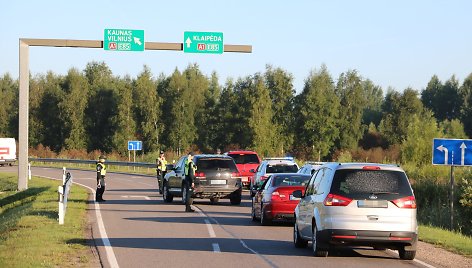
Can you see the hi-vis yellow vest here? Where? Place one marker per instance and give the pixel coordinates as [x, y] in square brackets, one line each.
[163, 163]
[103, 171]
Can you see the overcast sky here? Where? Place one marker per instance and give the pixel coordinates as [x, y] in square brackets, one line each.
[393, 43]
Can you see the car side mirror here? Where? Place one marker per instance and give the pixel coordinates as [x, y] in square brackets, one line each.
[297, 194]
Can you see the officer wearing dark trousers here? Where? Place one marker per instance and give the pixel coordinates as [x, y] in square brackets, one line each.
[189, 181]
[101, 172]
[161, 170]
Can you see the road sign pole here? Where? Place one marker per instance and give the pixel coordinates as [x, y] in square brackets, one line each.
[452, 197]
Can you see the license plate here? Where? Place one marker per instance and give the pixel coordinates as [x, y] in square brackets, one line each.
[372, 203]
[218, 182]
[294, 198]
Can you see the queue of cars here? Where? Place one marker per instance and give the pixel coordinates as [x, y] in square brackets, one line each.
[330, 204]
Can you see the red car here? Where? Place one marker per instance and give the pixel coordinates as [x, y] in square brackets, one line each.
[273, 201]
[245, 161]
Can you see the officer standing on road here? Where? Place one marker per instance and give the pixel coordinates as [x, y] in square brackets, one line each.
[161, 170]
[189, 181]
[101, 172]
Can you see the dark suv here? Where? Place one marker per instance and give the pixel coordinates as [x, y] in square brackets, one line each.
[216, 177]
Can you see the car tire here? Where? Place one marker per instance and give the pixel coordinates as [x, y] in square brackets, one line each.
[214, 200]
[166, 195]
[297, 240]
[264, 220]
[235, 197]
[316, 250]
[406, 254]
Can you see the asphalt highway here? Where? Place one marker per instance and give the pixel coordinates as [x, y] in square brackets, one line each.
[135, 228]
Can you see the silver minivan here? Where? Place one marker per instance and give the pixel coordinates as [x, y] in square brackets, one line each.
[357, 204]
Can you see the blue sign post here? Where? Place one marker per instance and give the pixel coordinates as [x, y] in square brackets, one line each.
[452, 152]
[134, 146]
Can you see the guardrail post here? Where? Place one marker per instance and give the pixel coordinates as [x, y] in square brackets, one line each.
[60, 190]
[63, 175]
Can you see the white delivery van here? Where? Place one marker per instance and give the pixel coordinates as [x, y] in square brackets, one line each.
[7, 151]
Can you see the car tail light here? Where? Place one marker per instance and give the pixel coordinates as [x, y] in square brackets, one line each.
[200, 174]
[405, 202]
[336, 200]
[235, 174]
[371, 167]
[277, 196]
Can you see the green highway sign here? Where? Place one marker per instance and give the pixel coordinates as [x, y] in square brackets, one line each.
[203, 42]
[123, 40]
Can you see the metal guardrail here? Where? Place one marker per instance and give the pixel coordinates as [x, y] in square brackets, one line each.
[92, 162]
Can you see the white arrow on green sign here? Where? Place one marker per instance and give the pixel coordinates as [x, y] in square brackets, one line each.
[123, 40]
[203, 42]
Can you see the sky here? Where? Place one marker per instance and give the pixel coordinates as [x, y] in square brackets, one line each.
[397, 44]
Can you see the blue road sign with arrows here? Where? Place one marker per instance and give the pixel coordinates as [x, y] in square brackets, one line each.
[450, 152]
[135, 145]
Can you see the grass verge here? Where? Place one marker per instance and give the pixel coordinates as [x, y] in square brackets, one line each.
[454, 242]
[30, 234]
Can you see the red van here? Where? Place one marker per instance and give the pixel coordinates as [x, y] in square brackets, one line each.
[245, 161]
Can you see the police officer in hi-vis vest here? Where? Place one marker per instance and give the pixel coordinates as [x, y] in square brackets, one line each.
[161, 170]
[189, 170]
[101, 172]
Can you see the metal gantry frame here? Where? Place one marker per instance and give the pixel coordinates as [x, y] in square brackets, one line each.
[24, 45]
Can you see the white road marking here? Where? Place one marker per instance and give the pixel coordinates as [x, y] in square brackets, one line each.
[210, 228]
[101, 227]
[136, 196]
[415, 260]
[271, 264]
[216, 248]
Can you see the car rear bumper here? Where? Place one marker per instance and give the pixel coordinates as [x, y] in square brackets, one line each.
[369, 238]
[280, 211]
[214, 191]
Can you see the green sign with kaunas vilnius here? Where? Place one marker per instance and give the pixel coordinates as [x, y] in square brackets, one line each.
[203, 42]
[123, 40]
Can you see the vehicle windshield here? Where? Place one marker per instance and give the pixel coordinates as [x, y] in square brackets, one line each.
[245, 158]
[385, 184]
[281, 169]
[290, 180]
[216, 164]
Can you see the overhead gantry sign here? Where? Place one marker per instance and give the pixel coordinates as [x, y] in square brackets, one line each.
[114, 39]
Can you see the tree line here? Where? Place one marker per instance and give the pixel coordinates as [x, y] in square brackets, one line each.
[96, 110]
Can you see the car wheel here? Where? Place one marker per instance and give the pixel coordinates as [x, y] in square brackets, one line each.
[317, 252]
[235, 197]
[297, 240]
[264, 220]
[168, 197]
[214, 200]
[406, 254]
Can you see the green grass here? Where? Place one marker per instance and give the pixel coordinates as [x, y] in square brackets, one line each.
[448, 240]
[30, 234]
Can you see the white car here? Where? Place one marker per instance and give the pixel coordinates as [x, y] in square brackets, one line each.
[310, 167]
[357, 204]
[270, 166]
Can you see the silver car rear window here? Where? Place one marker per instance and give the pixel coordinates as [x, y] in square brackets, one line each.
[362, 184]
